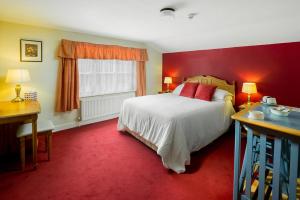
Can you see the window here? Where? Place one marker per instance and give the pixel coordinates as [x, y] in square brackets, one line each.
[98, 77]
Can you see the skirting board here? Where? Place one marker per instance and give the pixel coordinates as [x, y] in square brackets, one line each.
[75, 124]
[65, 126]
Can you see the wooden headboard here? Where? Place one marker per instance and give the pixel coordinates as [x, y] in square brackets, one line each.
[210, 80]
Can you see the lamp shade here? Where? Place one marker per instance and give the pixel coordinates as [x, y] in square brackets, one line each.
[168, 80]
[249, 88]
[17, 76]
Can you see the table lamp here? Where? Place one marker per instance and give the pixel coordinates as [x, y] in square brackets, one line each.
[249, 88]
[17, 76]
[168, 81]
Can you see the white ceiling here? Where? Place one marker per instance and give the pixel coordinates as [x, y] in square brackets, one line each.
[218, 24]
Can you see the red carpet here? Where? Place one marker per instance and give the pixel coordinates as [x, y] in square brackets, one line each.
[97, 162]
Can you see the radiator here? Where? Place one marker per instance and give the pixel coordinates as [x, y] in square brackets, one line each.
[102, 107]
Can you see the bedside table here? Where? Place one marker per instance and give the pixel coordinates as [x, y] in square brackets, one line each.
[161, 92]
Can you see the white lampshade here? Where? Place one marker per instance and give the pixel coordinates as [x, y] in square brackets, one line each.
[249, 88]
[168, 80]
[17, 76]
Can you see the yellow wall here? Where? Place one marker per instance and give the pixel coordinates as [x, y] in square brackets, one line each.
[44, 74]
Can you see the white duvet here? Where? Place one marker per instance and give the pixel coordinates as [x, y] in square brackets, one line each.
[176, 125]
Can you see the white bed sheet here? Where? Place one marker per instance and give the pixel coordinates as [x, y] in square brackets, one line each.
[176, 125]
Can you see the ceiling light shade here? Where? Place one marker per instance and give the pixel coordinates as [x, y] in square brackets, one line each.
[168, 12]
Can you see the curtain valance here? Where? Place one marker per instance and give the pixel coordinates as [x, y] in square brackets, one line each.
[85, 50]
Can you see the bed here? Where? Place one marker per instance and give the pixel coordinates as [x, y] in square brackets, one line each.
[174, 126]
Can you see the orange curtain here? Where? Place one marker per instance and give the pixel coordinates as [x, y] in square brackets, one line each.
[68, 82]
[140, 78]
[68, 86]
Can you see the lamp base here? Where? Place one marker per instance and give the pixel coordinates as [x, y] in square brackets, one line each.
[18, 91]
[17, 99]
[249, 103]
[249, 100]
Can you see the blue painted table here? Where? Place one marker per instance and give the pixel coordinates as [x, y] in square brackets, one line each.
[285, 138]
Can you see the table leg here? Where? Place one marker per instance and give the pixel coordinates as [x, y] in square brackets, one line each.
[249, 164]
[34, 141]
[262, 167]
[293, 170]
[243, 170]
[237, 157]
[276, 171]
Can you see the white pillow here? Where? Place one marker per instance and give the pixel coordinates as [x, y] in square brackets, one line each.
[178, 89]
[220, 95]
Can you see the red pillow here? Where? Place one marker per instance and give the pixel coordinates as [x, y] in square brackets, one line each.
[205, 92]
[189, 90]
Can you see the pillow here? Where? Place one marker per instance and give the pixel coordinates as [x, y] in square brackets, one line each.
[178, 89]
[220, 94]
[205, 92]
[189, 90]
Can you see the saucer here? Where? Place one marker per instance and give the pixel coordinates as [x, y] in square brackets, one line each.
[268, 104]
[280, 111]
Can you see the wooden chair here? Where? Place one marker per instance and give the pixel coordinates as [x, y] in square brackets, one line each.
[44, 127]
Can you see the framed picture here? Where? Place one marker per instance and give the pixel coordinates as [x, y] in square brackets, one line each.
[31, 51]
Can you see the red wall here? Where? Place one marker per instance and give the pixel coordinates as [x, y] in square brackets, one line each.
[275, 68]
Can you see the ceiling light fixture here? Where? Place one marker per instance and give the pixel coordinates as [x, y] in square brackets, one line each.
[168, 12]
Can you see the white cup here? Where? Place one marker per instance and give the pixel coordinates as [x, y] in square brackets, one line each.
[271, 101]
[265, 98]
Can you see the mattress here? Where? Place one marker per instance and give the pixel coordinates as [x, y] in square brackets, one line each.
[176, 125]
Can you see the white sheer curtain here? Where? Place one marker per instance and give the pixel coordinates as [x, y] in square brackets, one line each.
[98, 77]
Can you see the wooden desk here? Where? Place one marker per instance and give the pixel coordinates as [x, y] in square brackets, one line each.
[26, 111]
[284, 130]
